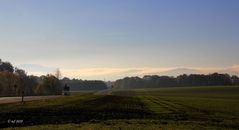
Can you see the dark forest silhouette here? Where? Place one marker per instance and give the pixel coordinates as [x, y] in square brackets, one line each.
[154, 81]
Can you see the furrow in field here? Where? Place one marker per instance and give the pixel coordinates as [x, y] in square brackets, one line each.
[194, 113]
[157, 105]
[174, 110]
[186, 107]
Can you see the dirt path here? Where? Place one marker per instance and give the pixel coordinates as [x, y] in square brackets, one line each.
[4, 100]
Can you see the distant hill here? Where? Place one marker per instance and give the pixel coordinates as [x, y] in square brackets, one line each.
[180, 71]
[230, 71]
[36, 68]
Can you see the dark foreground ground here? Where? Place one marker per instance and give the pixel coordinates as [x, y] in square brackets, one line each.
[165, 108]
[7, 100]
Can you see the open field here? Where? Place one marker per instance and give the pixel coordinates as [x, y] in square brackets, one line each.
[162, 108]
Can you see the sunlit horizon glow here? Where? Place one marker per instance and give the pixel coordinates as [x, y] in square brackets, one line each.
[112, 74]
[105, 39]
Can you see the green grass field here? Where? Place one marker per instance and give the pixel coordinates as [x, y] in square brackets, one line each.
[149, 109]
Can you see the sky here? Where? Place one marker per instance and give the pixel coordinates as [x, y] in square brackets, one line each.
[111, 39]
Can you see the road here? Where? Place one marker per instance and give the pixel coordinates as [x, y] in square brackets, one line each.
[4, 100]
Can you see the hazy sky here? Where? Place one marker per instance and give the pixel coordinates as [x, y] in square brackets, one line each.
[97, 39]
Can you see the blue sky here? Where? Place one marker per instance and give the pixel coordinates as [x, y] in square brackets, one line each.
[94, 39]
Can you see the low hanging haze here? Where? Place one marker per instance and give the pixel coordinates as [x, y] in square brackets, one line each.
[111, 39]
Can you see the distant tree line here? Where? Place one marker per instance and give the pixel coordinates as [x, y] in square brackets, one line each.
[76, 84]
[15, 81]
[154, 81]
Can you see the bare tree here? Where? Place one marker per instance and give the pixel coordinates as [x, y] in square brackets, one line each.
[58, 73]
